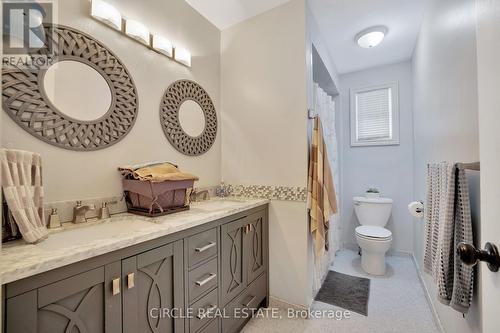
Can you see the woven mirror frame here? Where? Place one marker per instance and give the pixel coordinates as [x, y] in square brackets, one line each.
[25, 100]
[176, 94]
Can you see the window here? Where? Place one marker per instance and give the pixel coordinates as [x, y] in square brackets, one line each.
[375, 116]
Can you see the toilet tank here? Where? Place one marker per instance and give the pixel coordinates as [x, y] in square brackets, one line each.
[373, 211]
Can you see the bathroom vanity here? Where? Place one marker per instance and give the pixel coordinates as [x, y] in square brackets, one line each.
[136, 274]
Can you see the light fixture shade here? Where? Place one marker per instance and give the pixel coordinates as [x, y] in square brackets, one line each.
[162, 45]
[137, 31]
[371, 37]
[183, 56]
[106, 13]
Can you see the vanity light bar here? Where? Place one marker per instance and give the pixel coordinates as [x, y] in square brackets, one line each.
[162, 45]
[108, 14]
[183, 56]
[137, 30]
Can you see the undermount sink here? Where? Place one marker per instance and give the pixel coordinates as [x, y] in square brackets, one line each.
[216, 205]
[85, 234]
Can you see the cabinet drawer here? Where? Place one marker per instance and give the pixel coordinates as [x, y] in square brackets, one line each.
[250, 298]
[202, 246]
[201, 315]
[213, 327]
[202, 279]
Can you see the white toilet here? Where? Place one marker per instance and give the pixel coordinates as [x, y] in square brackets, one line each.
[372, 237]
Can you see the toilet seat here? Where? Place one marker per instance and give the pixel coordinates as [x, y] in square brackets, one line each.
[373, 233]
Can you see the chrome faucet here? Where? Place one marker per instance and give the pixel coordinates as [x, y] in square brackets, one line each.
[79, 212]
[193, 197]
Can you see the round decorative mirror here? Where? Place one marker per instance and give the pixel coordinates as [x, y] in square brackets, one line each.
[188, 118]
[191, 118]
[86, 100]
[77, 90]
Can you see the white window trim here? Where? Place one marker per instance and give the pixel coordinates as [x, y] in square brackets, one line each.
[395, 115]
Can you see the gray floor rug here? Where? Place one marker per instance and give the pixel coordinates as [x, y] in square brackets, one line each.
[345, 291]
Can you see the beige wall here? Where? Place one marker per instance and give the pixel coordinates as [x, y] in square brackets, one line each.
[264, 138]
[79, 175]
[445, 115]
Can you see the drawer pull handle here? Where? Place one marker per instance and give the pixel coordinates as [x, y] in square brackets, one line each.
[206, 312]
[131, 280]
[207, 280]
[116, 286]
[204, 248]
[252, 298]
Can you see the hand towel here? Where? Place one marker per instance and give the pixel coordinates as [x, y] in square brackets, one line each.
[448, 222]
[23, 190]
[321, 198]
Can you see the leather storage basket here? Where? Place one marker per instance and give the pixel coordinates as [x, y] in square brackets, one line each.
[156, 199]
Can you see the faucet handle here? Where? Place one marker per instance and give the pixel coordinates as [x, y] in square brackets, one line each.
[105, 210]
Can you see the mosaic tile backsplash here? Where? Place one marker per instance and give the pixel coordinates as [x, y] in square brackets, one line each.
[285, 193]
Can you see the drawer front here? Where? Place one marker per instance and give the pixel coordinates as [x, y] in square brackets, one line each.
[202, 246]
[201, 311]
[202, 279]
[213, 327]
[250, 298]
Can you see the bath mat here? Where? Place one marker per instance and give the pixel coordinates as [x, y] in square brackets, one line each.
[345, 291]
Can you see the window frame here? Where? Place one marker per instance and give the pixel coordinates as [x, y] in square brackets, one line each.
[394, 86]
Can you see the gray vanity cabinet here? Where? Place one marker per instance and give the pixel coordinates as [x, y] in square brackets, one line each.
[153, 290]
[82, 303]
[148, 287]
[244, 253]
[244, 267]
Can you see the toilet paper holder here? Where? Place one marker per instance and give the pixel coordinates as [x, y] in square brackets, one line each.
[416, 210]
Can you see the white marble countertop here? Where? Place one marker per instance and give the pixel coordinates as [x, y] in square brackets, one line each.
[79, 242]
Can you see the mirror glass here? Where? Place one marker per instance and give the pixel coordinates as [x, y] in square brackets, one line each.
[77, 90]
[192, 118]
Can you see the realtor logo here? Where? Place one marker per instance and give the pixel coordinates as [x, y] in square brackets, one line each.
[24, 34]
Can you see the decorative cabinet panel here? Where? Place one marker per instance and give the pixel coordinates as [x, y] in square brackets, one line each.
[152, 287]
[83, 303]
[234, 273]
[244, 253]
[255, 251]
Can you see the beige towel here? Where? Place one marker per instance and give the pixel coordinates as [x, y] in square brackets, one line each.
[157, 172]
[23, 190]
[321, 198]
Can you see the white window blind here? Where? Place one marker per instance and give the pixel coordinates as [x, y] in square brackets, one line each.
[374, 115]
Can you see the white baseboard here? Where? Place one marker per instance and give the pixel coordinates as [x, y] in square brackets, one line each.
[275, 302]
[427, 295]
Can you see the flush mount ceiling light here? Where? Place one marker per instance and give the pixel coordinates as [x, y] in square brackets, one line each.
[137, 31]
[106, 13]
[370, 37]
[162, 45]
[183, 56]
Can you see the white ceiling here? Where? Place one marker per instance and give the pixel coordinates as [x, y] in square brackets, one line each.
[225, 13]
[340, 20]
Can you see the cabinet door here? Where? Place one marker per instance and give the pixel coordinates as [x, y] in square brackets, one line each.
[256, 245]
[153, 290]
[233, 268]
[84, 303]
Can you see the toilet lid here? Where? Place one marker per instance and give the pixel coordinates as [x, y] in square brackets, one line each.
[373, 232]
